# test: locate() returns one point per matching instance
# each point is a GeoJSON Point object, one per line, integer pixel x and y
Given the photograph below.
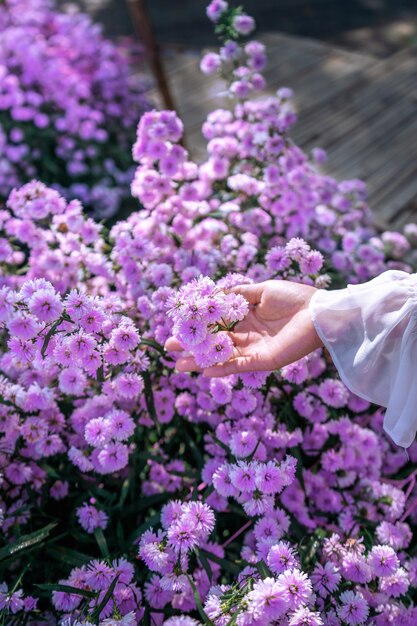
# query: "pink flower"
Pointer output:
{"type": "Point", "coordinates": [121, 425]}
{"type": "Point", "coordinates": [244, 24]}
{"type": "Point", "coordinates": [215, 9]}
{"type": "Point", "coordinates": [353, 608]}
{"type": "Point", "coordinates": [155, 594]}
{"type": "Point", "coordinates": [113, 457]}
{"type": "Point", "coordinates": [210, 63]}
{"type": "Point", "coordinates": [24, 326]}
{"type": "Point", "coordinates": [91, 518]}
{"type": "Point", "coordinates": [281, 557]}
{"type": "Point", "coordinates": [333, 393]}
{"type": "Point", "coordinates": [98, 432]}
{"type": "Point", "coordinates": [383, 561]}
{"type": "Point", "coordinates": [266, 600]}
{"type": "Point", "coordinates": [295, 587]}
{"type": "Point", "coordinates": [243, 476]}
{"type": "Point", "coordinates": [72, 381]}
{"type": "Point", "coordinates": [45, 305]}
{"type": "Point", "coordinates": [325, 579]}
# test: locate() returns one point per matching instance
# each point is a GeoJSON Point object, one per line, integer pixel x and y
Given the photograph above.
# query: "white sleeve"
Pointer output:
{"type": "Point", "coordinates": [370, 331]}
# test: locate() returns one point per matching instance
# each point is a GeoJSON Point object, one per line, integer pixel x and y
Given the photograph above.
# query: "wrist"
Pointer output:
{"type": "Point", "coordinates": [316, 339]}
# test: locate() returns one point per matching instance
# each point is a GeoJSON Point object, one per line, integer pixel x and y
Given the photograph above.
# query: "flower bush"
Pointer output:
{"type": "Point", "coordinates": [133, 493]}
{"type": "Point", "coordinates": [68, 105]}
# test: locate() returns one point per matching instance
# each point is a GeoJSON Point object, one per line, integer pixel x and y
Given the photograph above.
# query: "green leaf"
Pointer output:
{"type": "Point", "coordinates": [198, 604]}
{"type": "Point", "coordinates": [195, 451]}
{"type": "Point", "coordinates": [119, 533]}
{"type": "Point", "coordinates": [49, 334]}
{"type": "Point", "coordinates": [5, 402]}
{"type": "Point", "coordinates": [153, 344]}
{"type": "Point", "coordinates": [26, 541]}
{"type": "Point", "coordinates": [220, 443]}
{"type": "Point", "coordinates": [97, 611]}
{"type": "Point", "coordinates": [100, 374]}
{"type": "Point", "coordinates": [154, 519]}
{"type": "Point", "coordinates": [66, 555]}
{"type": "Point", "coordinates": [67, 589]}
{"type": "Point", "coordinates": [102, 543]}
{"type": "Point", "coordinates": [227, 565]}
{"type": "Point", "coordinates": [156, 498]}
{"type": "Point", "coordinates": [263, 569]}
{"type": "Point", "coordinates": [232, 620]}
{"type": "Point", "coordinates": [124, 492]}
{"type": "Point", "coordinates": [149, 399]}
{"type": "Point", "coordinates": [206, 565]}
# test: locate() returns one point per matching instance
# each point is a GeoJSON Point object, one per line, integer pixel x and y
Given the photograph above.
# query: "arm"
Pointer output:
{"type": "Point", "coordinates": [369, 330]}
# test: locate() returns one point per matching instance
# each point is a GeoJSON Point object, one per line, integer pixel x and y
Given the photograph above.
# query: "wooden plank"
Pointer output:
{"type": "Point", "coordinates": [398, 191]}
{"type": "Point", "coordinates": [373, 135]}
{"type": "Point", "coordinates": [405, 215]}
{"type": "Point", "coordinates": [372, 91]}
{"type": "Point", "coordinates": [361, 110]}
{"type": "Point", "coordinates": [377, 166]}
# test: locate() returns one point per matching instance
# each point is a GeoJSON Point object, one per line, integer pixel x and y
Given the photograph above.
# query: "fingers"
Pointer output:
{"type": "Point", "coordinates": [252, 293]}
{"type": "Point", "coordinates": [187, 364]}
{"type": "Point", "coordinates": [173, 345]}
{"type": "Point", "coordinates": [238, 365]}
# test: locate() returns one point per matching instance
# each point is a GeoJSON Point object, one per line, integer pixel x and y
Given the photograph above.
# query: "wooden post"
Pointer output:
{"type": "Point", "coordinates": [144, 30]}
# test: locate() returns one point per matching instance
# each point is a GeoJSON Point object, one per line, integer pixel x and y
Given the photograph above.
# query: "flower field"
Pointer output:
{"type": "Point", "coordinates": [132, 493]}
{"type": "Point", "coordinates": [68, 106]}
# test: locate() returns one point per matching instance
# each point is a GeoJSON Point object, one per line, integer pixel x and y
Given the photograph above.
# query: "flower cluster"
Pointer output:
{"type": "Point", "coordinates": [102, 440]}
{"type": "Point", "coordinates": [202, 314]}
{"type": "Point", "coordinates": [98, 575]}
{"type": "Point", "coordinates": [14, 601]}
{"type": "Point", "coordinates": [170, 554]}
{"type": "Point", "coordinates": [71, 364]}
{"type": "Point", "coordinates": [68, 104]}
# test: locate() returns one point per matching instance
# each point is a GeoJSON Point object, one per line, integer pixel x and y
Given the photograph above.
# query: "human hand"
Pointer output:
{"type": "Point", "coordinates": [278, 330]}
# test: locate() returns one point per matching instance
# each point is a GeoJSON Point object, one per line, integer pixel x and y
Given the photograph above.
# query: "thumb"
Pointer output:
{"type": "Point", "coordinates": [252, 292]}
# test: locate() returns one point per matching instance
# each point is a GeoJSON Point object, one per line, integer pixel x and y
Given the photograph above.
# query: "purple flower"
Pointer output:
{"type": "Point", "coordinates": [113, 457]}
{"type": "Point", "coordinates": [91, 518]}
{"type": "Point", "coordinates": [305, 617]}
{"type": "Point", "coordinates": [24, 326]}
{"type": "Point", "coordinates": [99, 575]}
{"type": "Point", "coordinates": [191, 332]}
{"type": "Point", "coordinates": [396, 584]}
{"type": "Point", "coordinates": [295, 587]}
{"type": "Point", "coordinates": [72, 381]}
{"type": "Point", "coordinates": [266, 600]}
{"type": "Point", "coordinates": [155, 594]}
{"type": "Point", "coordinates": [277, 259]}
{"type": "Point", "coordinates": [325, 579]}
{"type": "Point", "coordinates": [201, 516]}
{"type": "Point", "coordinates": [243, 476]}
{"type": "Point", "coordinates": [353, 609]}
{"type": "Point", "coordinates": [182, 535]}
{"type": "Point", "coordinates": [333, 393]}
{"type": "Point", "coordinates": [45, 305]}
{"type": "Point", "coordinates": [244, 24]}
{"type": "Point", "coordinates": [383, 561]}
{"type": "Point", "coordinates": [281, 557]}
{"type": "Point", "coordinates": [210, 63]}
{"type": "Point", "coordinates": [215, 9]}
{"type": "Point", "coordinates": [121, 425]}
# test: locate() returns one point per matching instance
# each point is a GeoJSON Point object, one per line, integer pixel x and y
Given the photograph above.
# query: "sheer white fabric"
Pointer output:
{"type": "Point", "coordinates": [370, 331]}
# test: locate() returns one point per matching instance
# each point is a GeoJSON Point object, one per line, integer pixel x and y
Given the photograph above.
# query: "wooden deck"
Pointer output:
{"type": "Point", "coordinates": [362, 110]}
